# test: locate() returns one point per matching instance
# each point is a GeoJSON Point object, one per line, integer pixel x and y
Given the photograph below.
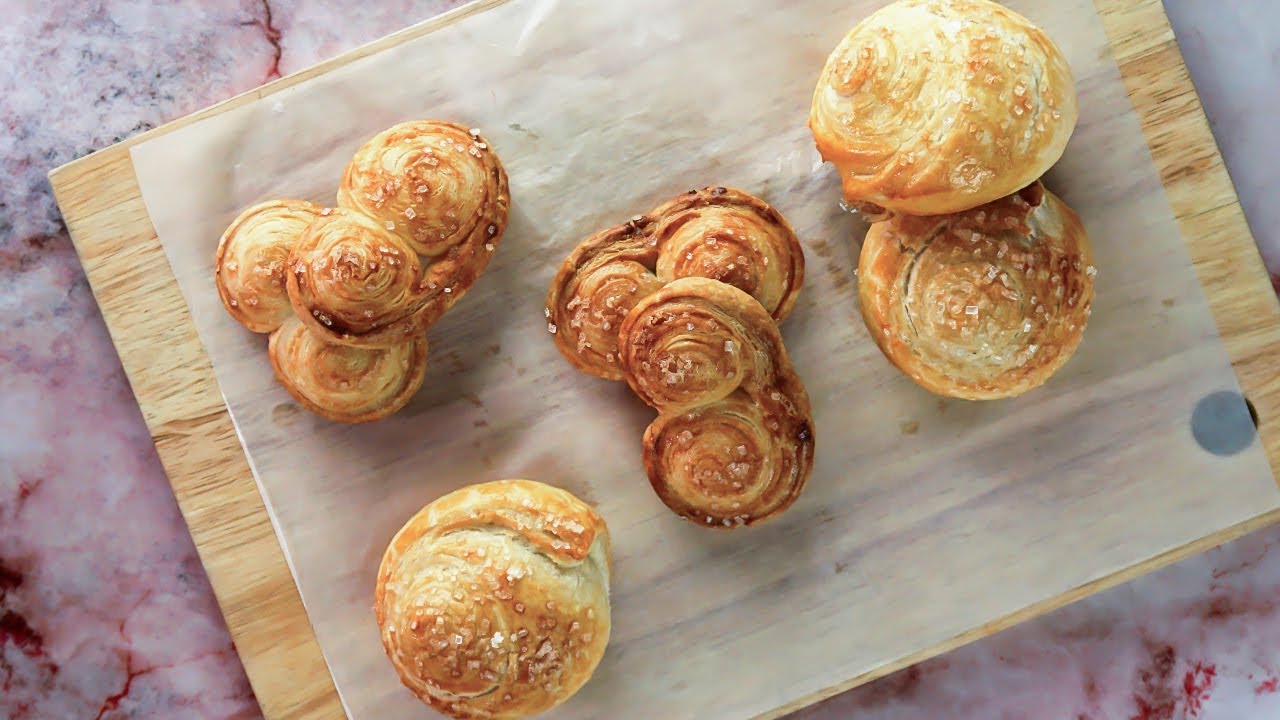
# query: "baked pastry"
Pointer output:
{"type": "Point", "coordinates": [353, 283]}
{"type": "Point", "coordinates": [344, 383]}
{"type": "Point", "coordinates": [937, 106]}
{"type": "Point", "coordinates": [718, 233]}
{"type": "Point", "coordinates": [423, 206]}
{"type": "Point", "coordinates": [440, 188]}
{"type": "Point", "coordinates": [733, 441]}
{"type": "Point", "coordinates": [249, 268]}
{"type": "Point", "coordinates": [982, 304]}
{"type": "Point", "coordinates": [493, 600]}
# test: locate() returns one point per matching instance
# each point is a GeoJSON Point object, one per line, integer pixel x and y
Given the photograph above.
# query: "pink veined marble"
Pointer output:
{"type": "Point", "coordinates": [105, 611]}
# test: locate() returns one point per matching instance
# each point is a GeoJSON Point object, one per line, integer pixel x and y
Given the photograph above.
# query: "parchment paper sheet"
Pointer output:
{"type": "Point", "coordinates": [923, 519]}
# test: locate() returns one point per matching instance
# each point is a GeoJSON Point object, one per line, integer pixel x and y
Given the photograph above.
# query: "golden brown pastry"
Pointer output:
{"type": "Point", "coordinates": [440, 188]}
{"type": "Point", "coordinates": [493, 601]}
{"type": "Point", "coordinates": [422, 207]}
{"type": "Point", "coordinates": [250, 265]}
{"type": "Point", "coordinates": [344, 383]}
{"type": "Point", "coordinates": [353, 283]}
{"type": "Point", "coordinates": [719, 233]}
{"type": "Point", "coordinates": [937, 106]}
{"type": "Point", "coordinates": [982, 304]}
{"type": "Point", "coordinates": [733, 442]}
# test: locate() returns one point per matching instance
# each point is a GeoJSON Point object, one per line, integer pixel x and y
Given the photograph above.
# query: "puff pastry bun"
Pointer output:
{"type": "Point", "coordinates": [493, 601]}
{"type": "Point", "coordinates": [983, 304]}
{"type": "Point", "coordinates": [717, 232]}
{"type": "Point", "coordinates": [251, 263]}
{"type": "Point", "coordinates": [343, 383]}
{"type": "Point", "coordinates": [937, 106]}
{"type": "Point", "coordinates": [733, 441]}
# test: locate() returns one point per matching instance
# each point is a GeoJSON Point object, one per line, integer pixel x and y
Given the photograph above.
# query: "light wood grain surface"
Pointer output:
{"type": "Point", "coordinates": [183, 406]}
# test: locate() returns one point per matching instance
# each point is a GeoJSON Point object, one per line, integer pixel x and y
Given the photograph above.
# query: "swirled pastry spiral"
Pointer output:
{"type": "Point", "coordinates": [353, 283]}
{"type": "Point", "coordinates": [441, 189]}
{"type": "Point", "coordinates": [937, 106]}
{"type": "Point", "coordinates": [493, 601]}
{"type": "Point", "coordinates": [733, 442]}
{"type": "Point", "coordinates": [983, 304]}
{"type": "Point", "coordinates": [422, 207]}
{"type": "Point", "coordinates": [718, 233]}
{"type": "Point", "coordinates": [252, 258]}
{"type": "Point", "coordinates": [344, 383]}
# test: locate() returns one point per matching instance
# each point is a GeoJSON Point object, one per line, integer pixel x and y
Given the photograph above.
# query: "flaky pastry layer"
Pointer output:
{"type": "Point", "coordinates": [983, 304]}
{"type": "Point", "coordinates": [251, 263]}
{"type": "Point", "coordinates": [493, 600]}
{"type": "Point", "coordinates": [733, 442]}
{"type": "Point", "coordinates": [930, 107]}
{"type": "Point", "coordinates": [345, 383]}
{"type": "Point", "coordinates": [718, 233]}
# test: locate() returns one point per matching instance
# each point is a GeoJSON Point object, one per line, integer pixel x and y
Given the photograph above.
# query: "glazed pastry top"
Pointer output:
{"type": "Point", "coordinates": [929, 107]}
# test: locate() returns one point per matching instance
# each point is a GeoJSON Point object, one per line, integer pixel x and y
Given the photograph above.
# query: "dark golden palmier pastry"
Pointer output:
{"type": "Point", "coordinates": [422, 208]}
{"type": "Point", "coordinates": [733, 442]}
{"type": "Point", "coordinates": [251, 264]}
{"type": "Point", "coordinates": [984, 304]}
{"type": "Point", "coordinates": [344, 383]}
{"type": "Point", "coordinates": [353, 283]}
{"type": "Point", "coordinates": [929, 107]}
{"type": "Point", "coordinates": [718, 233]}
{"type": "Point", "coordinates": [493, 600]}
{"type": "Point", "coordinates": [441, 189]}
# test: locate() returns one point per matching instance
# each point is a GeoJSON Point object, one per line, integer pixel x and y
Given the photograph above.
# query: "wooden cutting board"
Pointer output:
{"type": "Point", "coordinates": [184, 409]}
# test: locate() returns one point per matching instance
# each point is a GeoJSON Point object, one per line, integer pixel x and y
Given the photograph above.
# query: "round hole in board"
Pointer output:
{"type": "Point", "coordinates": [1224, 423]}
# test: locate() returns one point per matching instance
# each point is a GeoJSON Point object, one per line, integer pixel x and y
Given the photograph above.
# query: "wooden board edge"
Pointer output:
{"type": "Point", "coordinates": [200, 450]}
{"type": "Point", "coordinates": [1223, 251]}
{"type": "Point", "coordinates": [1033, 611]}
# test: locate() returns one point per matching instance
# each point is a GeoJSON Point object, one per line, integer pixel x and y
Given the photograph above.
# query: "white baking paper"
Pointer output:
{"type": "Point", "coordinates": [924, 518]}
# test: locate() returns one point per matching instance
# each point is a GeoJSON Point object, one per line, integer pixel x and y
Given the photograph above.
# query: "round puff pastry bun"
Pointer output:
{"type": "Point", "coordinates": [938, 106]}
{"type": "Point", "coordinates": [983, 304]}
{"type": "Point", "coordinates": [493, 601]}
{"type": "Point", "coordinates": [717, 232]}
{"type": "Point", "coordinates": [252, 259]}
{"type": "Point", "coordinates": [733, 441]}
{"type": "Point", "coordinates": [343, 383]}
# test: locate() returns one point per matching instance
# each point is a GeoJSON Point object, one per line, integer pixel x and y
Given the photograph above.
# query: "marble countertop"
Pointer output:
{"type": "Point", "coordinates": [105, 611]}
